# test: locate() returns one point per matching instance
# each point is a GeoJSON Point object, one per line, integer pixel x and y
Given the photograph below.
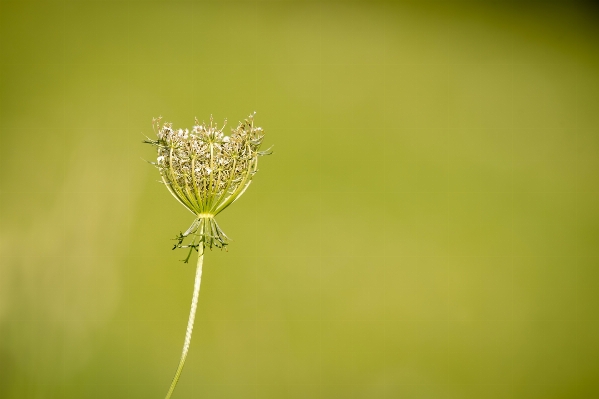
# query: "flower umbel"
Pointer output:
{"type": "Point", "coordinates": [206, 171]}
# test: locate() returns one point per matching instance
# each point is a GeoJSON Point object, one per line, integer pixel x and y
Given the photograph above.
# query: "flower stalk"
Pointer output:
{"type": "Point", "coordinates": [190, 321]}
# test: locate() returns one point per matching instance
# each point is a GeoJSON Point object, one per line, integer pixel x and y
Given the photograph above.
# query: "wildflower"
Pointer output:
{"type": "Point", "coordinates": [206, 172]}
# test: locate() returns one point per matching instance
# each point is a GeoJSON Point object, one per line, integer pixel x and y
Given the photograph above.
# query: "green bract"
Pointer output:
{"type": "Point", "coordinates": [206, 171]}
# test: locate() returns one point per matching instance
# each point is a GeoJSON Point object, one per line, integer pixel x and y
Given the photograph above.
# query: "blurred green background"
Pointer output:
{"type": "Point", "coordinates": [427, 227]}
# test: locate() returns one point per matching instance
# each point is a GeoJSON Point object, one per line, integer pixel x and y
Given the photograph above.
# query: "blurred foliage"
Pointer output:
{"type": "Point", "coordinates": [427, 226]}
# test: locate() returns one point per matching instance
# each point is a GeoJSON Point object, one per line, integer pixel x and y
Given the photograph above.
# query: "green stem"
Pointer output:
{"type": "Point", "coordinates": [192, 315]}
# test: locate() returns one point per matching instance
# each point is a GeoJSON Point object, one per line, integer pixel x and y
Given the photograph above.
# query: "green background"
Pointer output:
{"type": "Point", "coordinates": [427, 227]}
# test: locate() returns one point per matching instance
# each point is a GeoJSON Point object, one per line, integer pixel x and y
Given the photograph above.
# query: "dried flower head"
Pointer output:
{"type": "Point", "coordinates": [206, 171]}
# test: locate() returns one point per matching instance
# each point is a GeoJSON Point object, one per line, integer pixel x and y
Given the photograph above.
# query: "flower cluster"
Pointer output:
{"type": "Point", "coordinates": [206, 171]}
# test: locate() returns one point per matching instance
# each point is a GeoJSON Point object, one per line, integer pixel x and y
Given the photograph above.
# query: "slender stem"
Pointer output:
{"type": "Point", "coordinates": [192, 315]}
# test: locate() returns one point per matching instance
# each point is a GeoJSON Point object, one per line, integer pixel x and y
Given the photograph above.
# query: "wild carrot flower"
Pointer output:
{"type": "Point", "coordinates": [206, 171]}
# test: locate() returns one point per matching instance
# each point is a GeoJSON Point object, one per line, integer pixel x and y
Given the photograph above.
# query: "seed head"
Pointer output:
{"type": "Point", "coordinates": [206, 171]}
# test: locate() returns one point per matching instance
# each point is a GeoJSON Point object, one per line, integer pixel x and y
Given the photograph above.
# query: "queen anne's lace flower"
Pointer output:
{"type": "Point", "coordinates": [206, 172]}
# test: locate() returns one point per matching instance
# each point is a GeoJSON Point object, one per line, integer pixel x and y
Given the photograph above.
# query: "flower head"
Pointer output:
{"type": "Point", "coordinates": [207, 171]}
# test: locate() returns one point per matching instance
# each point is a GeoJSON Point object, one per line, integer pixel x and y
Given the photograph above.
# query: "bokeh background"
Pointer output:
{"type": "Point", "coordinates": [427, 227]}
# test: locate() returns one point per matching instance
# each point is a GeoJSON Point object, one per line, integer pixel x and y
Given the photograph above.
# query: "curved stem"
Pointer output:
{"type": "Point", "coordinates": [192, 315]}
